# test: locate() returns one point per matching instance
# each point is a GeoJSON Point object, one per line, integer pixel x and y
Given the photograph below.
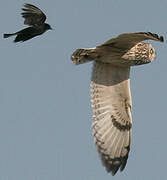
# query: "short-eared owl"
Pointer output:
{"type": "Point", "coordinates": [110, 92]}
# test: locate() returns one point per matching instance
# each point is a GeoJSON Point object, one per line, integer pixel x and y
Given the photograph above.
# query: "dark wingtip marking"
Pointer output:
{"type": "Point", "coordinates": [160, 38]}
{"type": "Point", "coordinates": [124, 159]}
{"type": "Point", "coordinates": [114, 169]}
{"type": "Point", "coordinates": [27, 4]}
{"type": "Point", "coordinates": [113, 165]}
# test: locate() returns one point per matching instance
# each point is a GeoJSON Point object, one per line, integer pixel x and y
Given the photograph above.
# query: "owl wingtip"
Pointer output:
{"type": "Point", "coordinates": [161, 38]}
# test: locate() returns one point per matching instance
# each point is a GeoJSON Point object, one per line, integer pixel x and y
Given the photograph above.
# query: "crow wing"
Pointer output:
{"type": "Point", "coordinates": [33, 15]}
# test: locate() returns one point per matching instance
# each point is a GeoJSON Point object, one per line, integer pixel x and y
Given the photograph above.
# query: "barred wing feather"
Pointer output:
{"type": "Point", "coordinates": [111, 103]}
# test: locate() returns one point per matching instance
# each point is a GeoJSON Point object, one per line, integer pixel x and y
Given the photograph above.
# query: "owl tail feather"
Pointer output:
{"type": "Point", "coordinates": [81, 56]}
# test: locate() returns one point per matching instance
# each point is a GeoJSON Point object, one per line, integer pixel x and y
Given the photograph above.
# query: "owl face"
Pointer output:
{"type": "Point", "coordinates": [141, 53]}
{"type": "Point", "coordinates": [152, 52]}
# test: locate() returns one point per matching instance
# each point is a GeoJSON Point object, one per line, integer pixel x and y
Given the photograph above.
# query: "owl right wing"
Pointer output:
{"type": "Point", "coordinates": [112, 122]}
{"type": "Point", "coordinates": [128, 40]}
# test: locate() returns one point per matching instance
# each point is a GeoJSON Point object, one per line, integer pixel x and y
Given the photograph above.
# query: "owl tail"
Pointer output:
{"type": "Point", "coordinates": [81, 56]}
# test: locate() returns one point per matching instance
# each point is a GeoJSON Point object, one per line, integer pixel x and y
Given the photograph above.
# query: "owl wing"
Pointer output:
{"type": "Point", "coordinates": [33, 15]}
{"type": "Point", "coordinates": [128, 40]}
{"type": "Point", "coordinates": [111, 103]}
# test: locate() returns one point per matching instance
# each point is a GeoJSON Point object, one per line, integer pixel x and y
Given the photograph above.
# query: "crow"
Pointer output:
{"type": "Point", "coordinates": [35, 18]}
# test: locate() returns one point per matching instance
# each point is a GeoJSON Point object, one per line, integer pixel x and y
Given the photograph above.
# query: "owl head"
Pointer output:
{"type": "Point", "coordinates": [141, 53]}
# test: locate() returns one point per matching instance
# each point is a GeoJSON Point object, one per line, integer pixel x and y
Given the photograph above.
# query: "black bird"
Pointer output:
{"type": "Point", "coordinates": [35, 18]}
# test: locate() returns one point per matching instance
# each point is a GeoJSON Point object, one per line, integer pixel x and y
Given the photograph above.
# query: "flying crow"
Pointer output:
{"type": "Point", "coordinates": [35, 18]}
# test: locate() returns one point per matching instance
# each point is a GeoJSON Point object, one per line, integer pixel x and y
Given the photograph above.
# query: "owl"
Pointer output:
{"type": "Point", "coordinates": [110, 92]}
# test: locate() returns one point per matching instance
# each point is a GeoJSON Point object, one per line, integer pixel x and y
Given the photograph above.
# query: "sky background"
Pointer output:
{"type": "Point", "coordinates": [45, 113]}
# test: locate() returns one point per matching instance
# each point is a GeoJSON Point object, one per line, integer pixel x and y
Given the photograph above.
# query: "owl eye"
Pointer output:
{"type": "Point", "coordinates": [151, 51]}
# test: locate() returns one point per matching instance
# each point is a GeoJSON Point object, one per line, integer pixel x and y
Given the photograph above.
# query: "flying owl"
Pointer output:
{"type": "Point", "coordinates": [110, 92]}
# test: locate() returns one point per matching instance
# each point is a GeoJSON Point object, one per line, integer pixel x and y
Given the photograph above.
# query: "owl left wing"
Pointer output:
{"type": "Point", "coordinates": [128, 40]}
{"type": "Point", "coordinates": [112, 122]}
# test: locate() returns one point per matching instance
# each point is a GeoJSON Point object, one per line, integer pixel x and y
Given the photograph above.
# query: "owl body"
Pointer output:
{"type": "Point", "coordinates": [110, 93]}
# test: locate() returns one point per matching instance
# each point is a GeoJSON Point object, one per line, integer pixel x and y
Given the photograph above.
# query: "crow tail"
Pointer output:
{"type": "Point", "coordinates": [8, 35]}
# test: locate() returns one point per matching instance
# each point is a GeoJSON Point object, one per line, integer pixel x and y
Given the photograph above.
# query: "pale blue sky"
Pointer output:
{"type": "Point", "coordinates": [45, 113]}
